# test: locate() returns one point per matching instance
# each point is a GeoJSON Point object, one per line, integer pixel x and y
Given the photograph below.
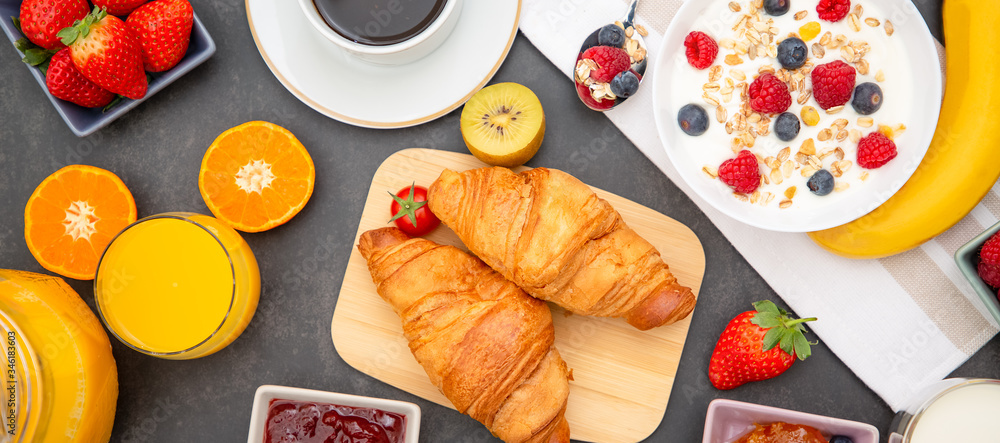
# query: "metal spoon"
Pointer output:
{"type": "Point", "coordinates": [598, 96]}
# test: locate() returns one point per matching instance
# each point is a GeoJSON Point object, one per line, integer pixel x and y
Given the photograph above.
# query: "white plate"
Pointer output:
{"type": "Point", "coordinates": [917, 96]}
{"type": "Point", "coordinates": [325, 77]}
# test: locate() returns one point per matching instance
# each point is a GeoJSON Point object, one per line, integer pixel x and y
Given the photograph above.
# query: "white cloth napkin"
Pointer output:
{"type": "Point", "coordinates": [899, 323]}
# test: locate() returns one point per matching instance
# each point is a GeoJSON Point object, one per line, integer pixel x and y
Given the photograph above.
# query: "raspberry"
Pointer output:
{"type": "Point", "coordinates": [833, 10]}
{"type": "Point", "coordinates": [875, 150]}
{"type": "Point", "coordinates": [833, 84]}
{"type": "Point", "coordinates": [989, 261]}
{"type": "Point", "coordinates": [769, 95]}
{"type": "Point", "coordinates": [741, 173]}
{"type": "Point", "coordinates": [701, 49]}
{"type": "Point", "coordinates": [610, 62]}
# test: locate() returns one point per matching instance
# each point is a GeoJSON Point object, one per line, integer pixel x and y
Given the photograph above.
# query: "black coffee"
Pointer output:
{"type": "Point", "coordinates": [379, 22]}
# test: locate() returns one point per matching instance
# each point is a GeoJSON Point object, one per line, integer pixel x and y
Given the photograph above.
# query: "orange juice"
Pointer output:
{"type": "Point", "coordinates": [60, 382]}
{"type": "Point", "coordinates": [177, 285]}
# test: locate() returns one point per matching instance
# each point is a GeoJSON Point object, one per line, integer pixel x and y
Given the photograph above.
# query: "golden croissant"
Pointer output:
{"type": "Point", "coordinates": [483, 342]}
{"type": "Point", "coordinates": [550, 234]}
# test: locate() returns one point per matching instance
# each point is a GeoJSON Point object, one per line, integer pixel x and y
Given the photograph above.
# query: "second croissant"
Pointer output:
{"type": "Point", "coordinates": [554, 237]}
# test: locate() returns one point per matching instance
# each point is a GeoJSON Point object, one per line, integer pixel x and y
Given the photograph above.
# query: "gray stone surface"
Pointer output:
{"type": "Point", "coordinates": [157, 149]}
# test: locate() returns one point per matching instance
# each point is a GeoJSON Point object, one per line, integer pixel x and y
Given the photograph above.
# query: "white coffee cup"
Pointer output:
{"type": "Point", "coordinates": [410, 50]}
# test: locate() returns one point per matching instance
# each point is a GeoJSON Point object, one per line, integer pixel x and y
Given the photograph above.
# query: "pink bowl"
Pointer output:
{"type": "Point", "coordinates": [728, 420]}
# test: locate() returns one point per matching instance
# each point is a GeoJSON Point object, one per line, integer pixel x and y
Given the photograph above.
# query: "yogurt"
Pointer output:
{"type": "Point", "coordinates": [887, 66]}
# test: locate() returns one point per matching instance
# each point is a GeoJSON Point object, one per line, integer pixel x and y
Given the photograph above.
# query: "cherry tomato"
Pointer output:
{"type": "Point", "coordinates": [410, 212]}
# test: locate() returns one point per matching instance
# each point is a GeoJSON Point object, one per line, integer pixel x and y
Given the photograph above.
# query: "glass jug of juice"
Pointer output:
{"type": "Point", "coordinates": [60, 382]}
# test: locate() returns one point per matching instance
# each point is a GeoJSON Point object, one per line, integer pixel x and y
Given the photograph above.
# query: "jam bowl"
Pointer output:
{"type": "Point", "coordinates": [277, 410]}
{"type": "Point", "coordinates": [384, 32]}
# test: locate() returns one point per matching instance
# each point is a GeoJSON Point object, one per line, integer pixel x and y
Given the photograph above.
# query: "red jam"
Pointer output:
{"type": "Point", "coordinates": [783, 433]}
{"type": "Point", "coordinates": [305, 422]}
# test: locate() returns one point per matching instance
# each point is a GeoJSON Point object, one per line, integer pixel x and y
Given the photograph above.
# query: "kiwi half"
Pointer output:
{"type": "Point", "coordinates": [503, 124]}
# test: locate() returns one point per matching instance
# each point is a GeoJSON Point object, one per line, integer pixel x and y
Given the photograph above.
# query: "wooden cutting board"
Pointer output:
{"type": "Point", "coordinates": [621, 376]}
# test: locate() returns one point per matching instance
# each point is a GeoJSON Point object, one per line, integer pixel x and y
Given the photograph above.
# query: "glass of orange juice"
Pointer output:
{"type": "Point", "coordinates": [177, 285]}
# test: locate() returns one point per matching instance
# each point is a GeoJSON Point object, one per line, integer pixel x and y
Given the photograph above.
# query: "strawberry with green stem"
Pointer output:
{"type": "Point", "coordinates": [106, 52]}
{"type": "Point", "coordinates": [758, 345]}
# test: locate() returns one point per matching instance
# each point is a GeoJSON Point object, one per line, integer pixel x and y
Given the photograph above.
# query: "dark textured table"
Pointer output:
{"type": "Point", "coordinates": [157, 149]}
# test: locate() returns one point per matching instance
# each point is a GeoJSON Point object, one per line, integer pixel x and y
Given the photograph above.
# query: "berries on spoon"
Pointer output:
{"type": "Point", "coordinates": [821, 183]}
{"type": "Point", "coordinates": [776, 7]}
{"type": "Point", "coordinates": [700, 49]}
{"type": "Point", "coordinates": [875, 150]}
{"type": "Point", "coordinates": [833, 10]}
{"type": "Point", "coordinates": [625, 84]}
{"type": "Point", "coordinates": [741, 173]}
{"type": "Point", "coordinates": [833, 84]}
{"type": "Point", "coordinates": [786, 126]}
{"type": "Point", "coordinates": [989, 261]}
{"type": "Point", "coordinates": [769, 95]}
{"type": "Point", "coordinates": [610, 62]}
{"type": "Point", "coordinates": [792, 53]}
{"type": "Point", "coordinates": [611, 35]}
{"type": "Point", "coordinates": [757, 345]}
{"type": "Point", "coordinates": [693, 120]}
{"type": "Point", "coordinates": [867, 98]}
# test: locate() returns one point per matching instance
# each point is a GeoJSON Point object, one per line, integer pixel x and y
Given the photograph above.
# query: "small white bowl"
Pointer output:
{"type": "Point", "coordinates": [404, 52]}
{"type": "Point", "coordinates": [266, 393]}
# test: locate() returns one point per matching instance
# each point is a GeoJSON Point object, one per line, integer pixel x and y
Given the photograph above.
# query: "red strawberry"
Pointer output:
{"type": "Point", "coordinates": [105, 52]}
{"type": "Point", "coordinates": [120, 8]}
{"type": "Point", "coordinates": [42, 19]}
{"type": "Point", "coordinates": [163, 28]}
{"type": "Point", "coordinates": [875, 150]}
{"type": "Point", "coordinates": [700, 49]}
{"type": "Point", "coordinates": [833, 83]}
{"type": "Point", "coordinates": [741, 173]}
{"type": "Point", "coordinates": [769, 95]}
{"type": "Point", "coordinates": [65, 82]}
{"type": "Point", "coordinates": [989, 261]}
{"type": "Point", "coordinates": [757, 345]}
{"type": "Point", "coordinates": [610, 62]}
{"type": "Point", "coordinates": [833, 10]}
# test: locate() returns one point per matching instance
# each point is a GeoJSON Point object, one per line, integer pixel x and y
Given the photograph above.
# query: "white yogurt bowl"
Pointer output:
{"type": "Point", "coordinates": [911, 86]}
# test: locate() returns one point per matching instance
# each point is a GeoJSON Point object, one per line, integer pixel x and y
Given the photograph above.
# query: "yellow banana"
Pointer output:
{"type": "Point", "coordinates": [963, 161]}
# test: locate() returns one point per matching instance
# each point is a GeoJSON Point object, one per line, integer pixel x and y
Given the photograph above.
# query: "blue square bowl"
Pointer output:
{"type": "Point", "coordinates": [967, 258]}
{"type": "Point", "coordinates": [84, 121]}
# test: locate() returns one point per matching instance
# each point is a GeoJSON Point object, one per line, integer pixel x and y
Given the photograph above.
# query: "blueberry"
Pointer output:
{"type": "Point", "coordinates": [786, 126]}
{"type": "Point", "coordinates": [841, 439]}
{"type": "Point", "coordinates": [776, 7]}
{"type": "Point", "coordinates": [867, 98]}
{"type": "Point", "coordinates": [693, 119]}
{"type": "Point", "coordinates": [625, 84]}
{"type": "Point", "coordinates": [821, 183]}
{"type": "Point", "coordinates": [611, 35]}
{"type": "Point", "coordinates": [792, 53]}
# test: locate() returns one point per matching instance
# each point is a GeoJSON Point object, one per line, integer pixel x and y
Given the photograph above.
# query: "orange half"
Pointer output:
{"type": "Point", "coordinates": [256, 176]}
{"type": "Point", "coordinates": [73, 215]}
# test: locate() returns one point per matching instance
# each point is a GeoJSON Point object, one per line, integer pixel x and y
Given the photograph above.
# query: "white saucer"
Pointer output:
{"type": "Point", "coordinates": [329, 80]}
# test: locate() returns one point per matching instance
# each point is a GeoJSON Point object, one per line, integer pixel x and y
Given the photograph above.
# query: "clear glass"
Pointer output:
{"type": "Point", "coordinates": [177, 285]}
{"type": "Point", "coordinates": [945, 406]}
{"type": "Point", "coordinates": [60, 382]}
